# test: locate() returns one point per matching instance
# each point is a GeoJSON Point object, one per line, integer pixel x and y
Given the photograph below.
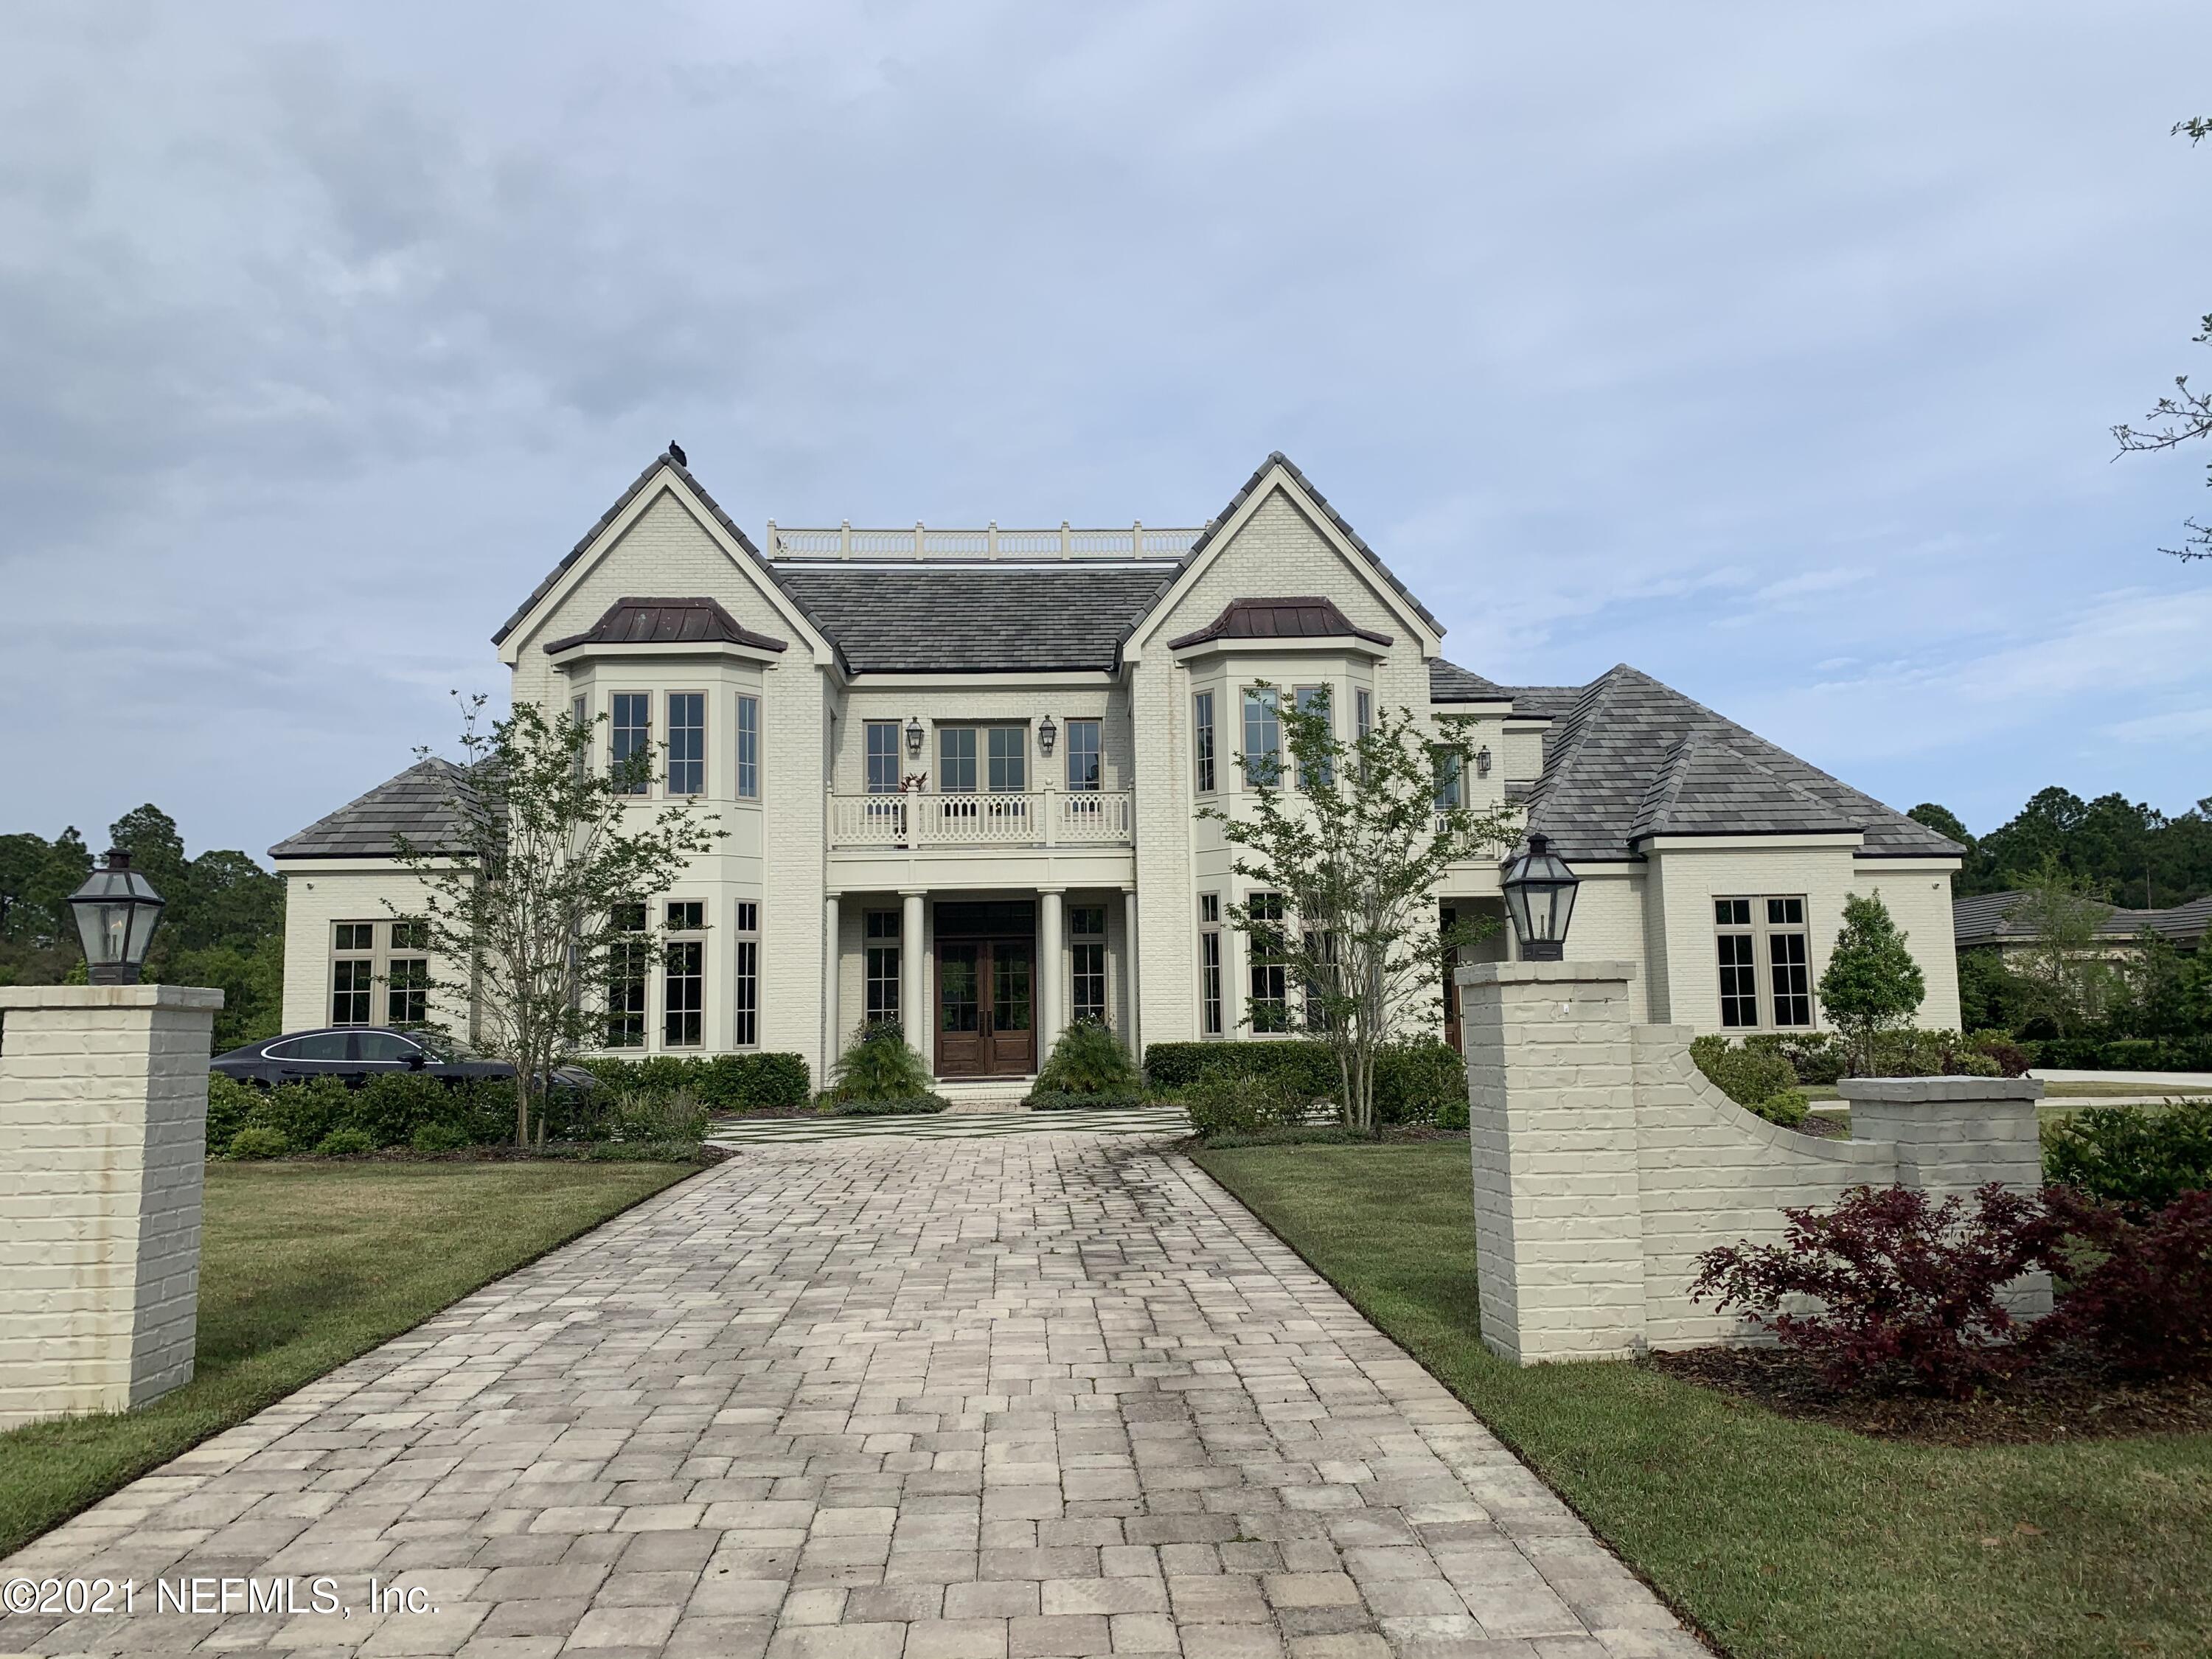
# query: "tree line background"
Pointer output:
{"type": "Point", "coordinates": [2111, 849]}
{"type": "Point", "coordinates": [223, 924]}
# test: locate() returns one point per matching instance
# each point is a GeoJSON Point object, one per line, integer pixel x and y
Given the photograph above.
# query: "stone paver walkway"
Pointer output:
{"type": "Point", "coordinates": [1046, 1395]}
{"type": "Point", "coordinates": [955, 1125]}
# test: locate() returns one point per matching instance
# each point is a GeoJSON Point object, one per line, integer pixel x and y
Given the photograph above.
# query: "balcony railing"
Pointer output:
{"type": "Point", "coordinates": [1051, 817]}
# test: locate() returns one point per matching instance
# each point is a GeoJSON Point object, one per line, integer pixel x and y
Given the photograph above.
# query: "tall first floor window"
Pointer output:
{"type": "Point", "coordinates": [1268, 974]}
{"type": "Point", "coordinates": [1087, 961]}
{"type": "Point", "coordinates": [749, 743]}
{"type": "Point", "coordinates": [1750, 933]}
{"type": "Point", "coordinates": [626, 969]}
{"type": "Point", "coordinates": [880, 946]}
{"type": "Point", "coordinates": [353, 972]}
{"type": "Point", "coordinates": [366, 956]}
{"type": "Point", "coordinates": [1084, 758]}
{"type": "Point", "coordinates": [1209, 963]}
{"type": "Point", "coordinates": [745, 1006]}
{"type": "Point", "coordinates": [687, 743]}
{"type": "Point", "coordinates": [629, 736]}
{"type": "Point", "coordinates": [1201, 721]}
{"type": "Point", "coordinates": [683, 976]}
{"type": "Point", "coordinates": [1321, 948]}
{"type": "Point", "coordinates": [407, 975]}
{"type": "Point", "coordinates": [1263, 736]}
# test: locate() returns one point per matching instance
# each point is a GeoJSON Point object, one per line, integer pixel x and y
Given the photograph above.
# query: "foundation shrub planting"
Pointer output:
{"type": "Point", "coordinates": [258, 1141]}
{"type": "Point", "coordinates": [1420, 1080]}
{"type": "Point", "coordinates": [879, 1065]}
{"type": "Point", "coordinates": [1172, 1067]}
{"type": "Point", "coordinates": [1088, 1059]}
{"type": "Point", "coordinates": [1053, 1100]}
{"type": "Point", "coordinates": [908, 1106]}
{"type": "Point", "coordinates": [721, 1082]}
{"type": "Point", "coordinates": [344, 1143]}
{"type": "Point", "coordinates": [1220, 1103]}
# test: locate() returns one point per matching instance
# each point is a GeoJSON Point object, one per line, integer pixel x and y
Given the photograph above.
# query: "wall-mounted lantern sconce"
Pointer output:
{"type": "Point", "coordinates": [1048, 734]}
{"type": "Point", "coordinates": [914, 737]}
{"type": "Point", "coordinates": [1482, 762]}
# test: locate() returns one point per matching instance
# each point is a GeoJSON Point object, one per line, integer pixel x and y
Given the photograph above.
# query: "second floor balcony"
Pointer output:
{"type": "Point", "coordinates": [913, 820]}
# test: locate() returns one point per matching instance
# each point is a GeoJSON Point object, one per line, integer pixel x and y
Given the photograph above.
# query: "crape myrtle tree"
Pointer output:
{"type": "Point", "coordinates": [2187, 414]}
{"type": "Point", "coordinates": [1345, 843]}
{"type": "Point", "coordinates": [552, 861]}
{"type": "Point", "coordinates": [1872, 983]}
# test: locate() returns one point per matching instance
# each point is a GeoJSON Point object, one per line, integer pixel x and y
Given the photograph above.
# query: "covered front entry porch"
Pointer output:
{"type": "Point", "coordinates": [983, 982]}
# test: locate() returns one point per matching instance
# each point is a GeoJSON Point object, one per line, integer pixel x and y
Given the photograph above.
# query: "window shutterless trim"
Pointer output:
{"type": "Point", "coordinates": [749, 746]}
{"type": "Point", "coordinates": [1202, 739]}
{"type": "Point", "coordinates": [686, 774]}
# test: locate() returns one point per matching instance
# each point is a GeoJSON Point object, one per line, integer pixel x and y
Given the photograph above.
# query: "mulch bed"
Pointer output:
{"type": "Point", "coordinates": [2067, 1396]}
{"type": "Point", "coordinates": [501, 1154]}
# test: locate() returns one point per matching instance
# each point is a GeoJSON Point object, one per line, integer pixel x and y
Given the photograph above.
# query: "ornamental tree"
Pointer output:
{"type": "Point", "coordinates": [547, 854]}
{"type": "Point", "coordinates": [1345, 843]}
{"type": "Point", "coordinates": [1872, 982]}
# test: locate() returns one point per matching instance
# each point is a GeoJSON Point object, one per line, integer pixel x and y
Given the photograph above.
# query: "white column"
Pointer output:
{"type": "Point", "coordinates": [1129, 971]}
{"type": "Point", "coordinates": [103, 1128]}
{"type": "Point", "coordinates": [1051, 977]}
{"type": "Point", "coordinates": [833, 1034]}
{"type": "Point", "coordinates": [914, 1011]}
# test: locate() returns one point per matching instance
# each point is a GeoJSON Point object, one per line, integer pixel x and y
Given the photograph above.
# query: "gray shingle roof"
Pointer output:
{"type": "Point", "coordinates": [947, 618]}
{"type": "Point", "coordinates": [1988, 919]}
{"type": "Point", "coordinates": [1450, 683]}
{"type": "Point", "coordinates": [1622, 761]}
{"type": "Point", "coordinates": [1551, 702]}
{"type": "Point", "coordinates": [667, 621]}
{"type": "Point", "coordinates": [1310, 616]}
{"type": "Point", "coordinates": [413, 805]}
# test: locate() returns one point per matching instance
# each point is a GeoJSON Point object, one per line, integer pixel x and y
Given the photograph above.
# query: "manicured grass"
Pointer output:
{"type": "Point", "coordinates": [1781, 1538]}
{"type": "Point", "coordinates": [302, 1267]}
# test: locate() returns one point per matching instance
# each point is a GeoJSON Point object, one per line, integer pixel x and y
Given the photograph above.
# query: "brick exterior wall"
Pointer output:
{"type": "Point", "coordinates": [103, 1123]}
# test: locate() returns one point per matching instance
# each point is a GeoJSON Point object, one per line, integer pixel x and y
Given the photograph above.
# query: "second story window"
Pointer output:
{"type": "Point", "coordinates": [1084, 768]}
{"type": "Point", "coordinates": [1008, 750]}
{"type": "Point", "coordinates": [1362, 713]}
{"type": "Point", "coordinates": [956, 760]}
{"type": "Point", "coordinates": [748, 748]}
{"type": "Point", "coordinates": [882, 757]}
{"type": "Point", "coordinates": [1315, 700]}
{"type": "Point", "coordinates": [631, 733]}
{"type": "Point", "coordinates": [687, 743]}
{"type": "Point", "coordinates": [1451, 778]}
{"type": "Point", "coordinates": [1201, 722]}
{"type": "Point", "coordinates": [1263, 736]}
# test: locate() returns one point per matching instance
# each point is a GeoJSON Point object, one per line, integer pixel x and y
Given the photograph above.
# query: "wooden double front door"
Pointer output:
{"type": "Point", "coordinates": [986, 1007]}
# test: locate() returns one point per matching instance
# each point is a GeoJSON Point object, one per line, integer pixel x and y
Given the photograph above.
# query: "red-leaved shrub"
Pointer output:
{"type": "Point", "coordinates": [1910, 1288]}
{"type": "Point", "coordinates": [2140, 1287]}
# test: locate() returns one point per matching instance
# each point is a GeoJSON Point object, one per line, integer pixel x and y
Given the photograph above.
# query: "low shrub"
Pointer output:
{"type": "Point", "coordinates": [2011, 1056]}
{"type": "Point", "coordinates": [1788, 1108]}
{"type": "Point", "coordinates": [1750, 1076]}
{"type": "Point", "coordinates": [1087, 1059]}
{"type": "Point", "coordinates": [655, 1115]}
{"type": "Point", "coordinates": [2139, 1286]}
{"type": "Point", "coordinates": [1050, 1100]}
{"type": "Point", "coordinates": [1910, 1289]}
{"type": "Point", "coordinates": [1452, 1114]}
{"type": "Point", "coordinates": [1417, 1079]}
{"type": "Point", "coordinates": [907, 1106]}
{"type": "Point", "coordinates": [2132, 1156]}
{"type": "Point", "coordinates": [344, 1143]}
{"type": "Point", "coordinates": [440, 1138]}
{"type": "Point", "coordinates": [879, 1065]}
{"type": "Point", "coordinates": [256, 1140]}
{"type": "Point", "coordinates": [1172, 1068]}
{"type": "Point", "coordinates": [641, 1152]}
{"type": "Point", "coordinates": [230, 1106]}
{"type": "Point", "coordinates": [1819, 1058]}
{"type": "Point", "coordinates": [722, 1083]}
{"type": "Point", "coordinates": [1220, 1103]}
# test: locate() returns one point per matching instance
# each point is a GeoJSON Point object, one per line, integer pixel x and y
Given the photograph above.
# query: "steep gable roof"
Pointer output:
{"type": "Point", "coordinates": [667, 621]}
{"type": "Point", "coordinates": [416, 804]}
{"type": "Point", "coordinates": [1622, 755]}
{"type": "Point", "coordinates": [1311, 617]}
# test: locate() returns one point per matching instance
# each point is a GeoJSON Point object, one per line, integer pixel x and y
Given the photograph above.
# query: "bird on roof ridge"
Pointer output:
{"type": "Point", "coordinates": [676, 453]}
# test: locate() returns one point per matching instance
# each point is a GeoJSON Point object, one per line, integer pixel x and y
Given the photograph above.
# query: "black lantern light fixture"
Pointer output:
{"type": "Point", "coordinates": [1539, 897]}
{"type": "Point", "coordinates": [1048, 734]}
{"type": "Point", "coordinates": [1482, 762]}
{"type": "Point", "coordinates": [914, 737]}
{"type": "Point", "coordinates": [116, 911]}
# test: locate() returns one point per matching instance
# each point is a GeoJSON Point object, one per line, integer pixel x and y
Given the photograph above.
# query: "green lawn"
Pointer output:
{"type": "Point", "coordinates": [1781, 1538]}
{"type": "Point", "coordinates": [302, 1267]}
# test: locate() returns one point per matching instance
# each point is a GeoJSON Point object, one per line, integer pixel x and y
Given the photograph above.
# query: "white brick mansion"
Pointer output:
{"type": "Point", "coordinates": [960, 773]}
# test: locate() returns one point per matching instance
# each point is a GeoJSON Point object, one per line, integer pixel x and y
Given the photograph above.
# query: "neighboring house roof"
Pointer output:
{"type": "Point", "coordinates": [948, 619]}
{"type": "Point", "coordinates": [1991, 919]}
{"type": "Point", "coordinates": [1450, 683]}
{"type": "Point", "coordinates": [1621, 767]}
{"type": "Point", "coordinates": [667, 621]}
{"type": "Point", "coordinates": [1309, 617]}
{"type": "Point", "coordinates": [416, 804]}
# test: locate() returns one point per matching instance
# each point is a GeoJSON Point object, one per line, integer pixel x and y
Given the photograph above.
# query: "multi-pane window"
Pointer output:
{"type": "Point", "coordinates": [687, 743]}
{"type": "Point", "coordinates": [407, 975]}
{"type": "Point", "coordinates": [745, 1006]}
{"type": "Point", "coordinates": [1084, 769]}
{"type": "Point", "coordinates": [748, 748]}
{"type": "Point", "coordinates": [1087, 960]}
{"type": "Point", "coordinates": [1315, 700]}
{"type": "Point", "coordinates": [353, 972]}
{"type": "Point", "coordinates": [1201, 721]}
{"type": "Point", "coordinates": [956, 759]}
{"type": "Point", "coordinates": [1363, 713]}
{"type": "Point", "coordinates": [1752, 931]}
{"type": "Point", "coordinates": [1263, 736]}
{"type": "Point", "coordinates": [580, 716]}
{"type": "Point", "coordinates": [882, 740]}
{"type": "Point", "coordinates": [1007, 748]}
{"type": "Point", "coordinates": [629, 734]}
{"type": "Point", "coordinates": [880, 943]}
{"type": "Point", "coordinates": [1209, 963]}
{"type": "Point", "coordinates": [683, 976]}
{"type": "Point", "coordinates": [626, 970]}
{"type": "Point", "coordinates": [1450, 763]}
{"type": "Point", "coordinates": [1270, 993]}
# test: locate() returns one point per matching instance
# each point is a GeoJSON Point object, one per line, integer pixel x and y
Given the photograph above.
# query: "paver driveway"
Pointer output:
{"type": "Point", "coordinates": [1048, 1395]}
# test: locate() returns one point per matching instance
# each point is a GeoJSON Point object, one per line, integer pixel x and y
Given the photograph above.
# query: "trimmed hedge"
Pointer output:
{"type": "Point", "coordinates": [1059, 1100]}
{"type": "Point", "coordinates": [912, 1106]}
{"type": "Point", "coordinates": [720, 1083]}
{"type": "Point", "coordinates": [1415, 1081]}
{"type": "Point", "coordinates": [2124, 1054]}
{"type": "Point", "coordinates": [2135, 1157]}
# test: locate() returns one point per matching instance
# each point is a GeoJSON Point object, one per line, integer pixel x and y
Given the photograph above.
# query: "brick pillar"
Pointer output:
{"type": "Point", "coordinates": [103, 1125]}
{"type": "Point", "coordinates": [1552, 1120]}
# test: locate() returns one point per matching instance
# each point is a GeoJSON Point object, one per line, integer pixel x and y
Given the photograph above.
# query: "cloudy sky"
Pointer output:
{"type": "Point", "coordinates": [1770, 349]}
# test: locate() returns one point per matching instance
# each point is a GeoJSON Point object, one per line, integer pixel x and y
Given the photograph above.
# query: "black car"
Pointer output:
{"type": "Point", "coordinates": [355, 1053]}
